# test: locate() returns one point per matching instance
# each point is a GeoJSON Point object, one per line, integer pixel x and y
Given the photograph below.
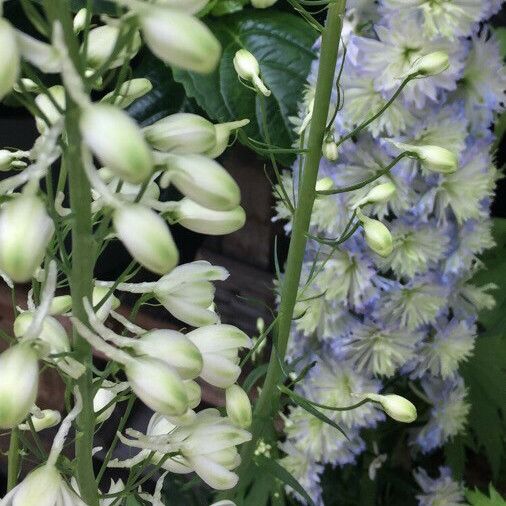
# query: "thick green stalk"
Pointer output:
{"type": "Point", "coordinates": [267, 405]}
{"type": "Point", "coordinates": [13, 457]}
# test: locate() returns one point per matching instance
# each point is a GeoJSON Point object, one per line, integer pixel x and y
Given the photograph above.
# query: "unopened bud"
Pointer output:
{"type": "Point", "coordinates": [52, 333]}
{"type": "Point", "coordinates": [117, 142]}
{"type": "Point", "coordinates": [377, 235]}
{"type": "Point", "coordinates": [431, 64]}
{"type": "Point", "coordinates": [9, 63]}
{"type": "Point", "coordinates": [10, 159]}
{"type": "Point", "coordinates": [396, 407]}
{"type": "Point", "coordinates": [330, 150]}
{"type": "Point", "coordinates": [180, 39]}
{"type": "Point", "coordinates": [25, 232]}
{"type": "Point", "coordinates": [112, 302]}
{"type": "Point", "coordinates": [173, 348]}
{"type": "Point", "coordinates": [204, 181]}
{"type": "Point", "coordinates": [47, 418]}
{"type": "Point", "coordinates": [50, 107]}
{"type": "Point", "coordinates": [103, 404]}
{"type": "Point", "coordinates": [262, 4]}
{"type": "Point", "coordinates": [194, 393]}
{"type": "Point", "coordinates": [147, 237]}
{"type": "Point", "coordinates": [129, 92]}
{"type": "Point", "coordinates": [157, 385]}
{"type": "Point", "coordinates": [247, 68]}
{"type": "Point", "coordinates": [80, 20]}
{"type": "Point", "coordinates": [434, 158]}
{"type": "Point", "coordinates": [238, 406]}
{"type": "Point", "coordinates": [324, 184]}
{"type": "Point", "coordinates": [381, 193]}
{"type": "Point", "coordinates": [223, 132]}
{"type": "Point", "coordinates": [101, 43]}
{"type": "Point", "coordinates": [202, 220]}
{"type": "Point", "coordinates": [19, 379]}
{"type": "Point", "coordinates": [61, 304]}
{"type": "Point", "coordinates": [181, 133]}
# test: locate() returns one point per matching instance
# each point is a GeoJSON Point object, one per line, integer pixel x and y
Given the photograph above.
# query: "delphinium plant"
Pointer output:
{"type": "Point", "coordinates": [398, 314]}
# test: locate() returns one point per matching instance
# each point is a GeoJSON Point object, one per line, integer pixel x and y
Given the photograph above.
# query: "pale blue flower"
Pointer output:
{"type": "Point", "coordinates": [442, 491]}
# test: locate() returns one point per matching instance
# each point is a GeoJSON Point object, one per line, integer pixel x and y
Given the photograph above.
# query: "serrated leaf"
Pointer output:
{"type": "Point", "coordinates": [278, 471]}
{"type": "Point", "coordinates": [477, 498]}
{"type": "Point", "coordinates": [282, 43]}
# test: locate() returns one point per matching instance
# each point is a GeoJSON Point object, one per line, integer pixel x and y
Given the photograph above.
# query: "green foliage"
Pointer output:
{"type": "Point", "coordinates": [477, 498]}
{"type": "Point", "coordinates": [485, 373]}
{"type": "Point", "coordinates": [282, 43]}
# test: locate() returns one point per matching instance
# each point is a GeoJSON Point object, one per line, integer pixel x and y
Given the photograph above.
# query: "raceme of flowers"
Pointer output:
{"type": "Point", "coordinates": [161, 366]}
{"type": "Point", "coordinates": [397, 301]}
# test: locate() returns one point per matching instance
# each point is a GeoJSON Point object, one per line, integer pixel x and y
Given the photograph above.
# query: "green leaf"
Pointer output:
{"type": "Point", "coordinates": [99, 6]}
{"type": "Point", "coordinates": [477, 498]}
{"type": "Point", "coordinates": [282, 43]}
{"type": "Point", "coordinates": [500, 33]}
{"type": "Point", "coordinates": [279, 472]}
{"type": "Point", "coordinates": [223, 7]}
{"type": "Point", "coordinates": [166, 97]}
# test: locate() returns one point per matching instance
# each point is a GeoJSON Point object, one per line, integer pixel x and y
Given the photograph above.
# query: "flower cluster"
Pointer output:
{"type": "Point", "coordinates": [395, 297]}
{"type": "Point", "coordinates": [122, 203]}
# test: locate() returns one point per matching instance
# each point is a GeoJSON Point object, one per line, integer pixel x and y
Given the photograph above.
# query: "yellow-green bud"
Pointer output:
{"type": "Point", "coordinates": [25, 232]}
{"type": "Point", "coordinates": [324, 184]}
{"type": "Point", "coordinates": [117, 142]}
{"type": "Point", "coordinates": [330, 150]}
{"type": "Point", "coordinates": [147, 237]}
{"type": "Point", "coordinates": [223, 132]}
{"type": "Point", "coordinates": [129, 92]}
{"type": "Point", "coordinates": [180, 39]}
{"type": "Point", "coordinates": [202, 220]}
{"type": "Point", "coordinates": [80, 20]}
{"type": "Point", "coordinates": [9, 63]}
{"type": "Point", "coordinates": [247, 68]}
{"type": "Point", "coordinates": [436, 158]}
{"type": "Point", "coordinates": [19, 379]}
{"type": "Point", "coordinates": [48, 108]}
{"type": "Point", "coordinates": [48, 418]}
{"type": "Point", "coordinates": [61, 304]}
{"type": "Point", "coordinates": [381, 193]}
{"type": "Point", "coordinates": [431, 64]}
{"type": "Point", "coordinates": [396, 407]}
{"type": "Point", "coordinates": [238, 406]}
{"type": "Point", "coordinates": [377, 235]}
{"type": "Point", "coordinates": [104, 397]}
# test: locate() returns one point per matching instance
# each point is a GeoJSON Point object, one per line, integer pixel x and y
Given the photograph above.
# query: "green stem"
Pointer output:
{"type": "Point", "coordinates": [268, 403]}
{"type": "Point", "coordinates": [14, 458]}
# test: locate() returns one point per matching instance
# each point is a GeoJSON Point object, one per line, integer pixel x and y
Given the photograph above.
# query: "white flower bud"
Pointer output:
{"type": "Point", "coordinates": [238, 406]}
{"type": "Point", "coordinates": [179, 39]}
{"type": "Point", "coordinates": [101, 42]}
{"type": "Point", "coordinates": [9, 63]}
{"type": "Point", "coordinates": [80, 20]}
{"type": "Point", "coordinates": [262, 4]}
{"type": "Point", "coordinates": [324, 184]}
{"type": "Point", "coordinates": [48, 108]}
{"type": "Point", "coordinates": [219, 346]}
{"type": "Point", "coordinates": [104, 397]}
{"type": "Point", "coordinates": [431, 64]}
{"type": "Point", "coordinates": [53, 333]}
{"type": "Point", "coordinates": [330, 150]}
{"type": "Point", "coordinates": [48, 418]}
{"type": "Point", "coordinates": [28, 85]}
{"type": "Point", "coordinates": [381, 193]}
{"type": "Point", "coordinates": [41, 486]}
{"type": "Point", "coordinates": [204, 181]}
{"type": "Point", "coordinates": [60, 305]}
{"type": "Point", "coordinates": [19, 380]}
{"type": "Point", "coordinates": [10, 159]}
{"type": "Point", "coordinates": [396, 407]}
{"type": "Point", "coordinates": [200, 219]}
{"type": "Point", "coordinates": [157, 385]}
{"type": "Point", "coordinates": [437, 158]}
{"type": "Point", "coordinates": [247, 68]}
{"type": "Point", "coordinates": [181, 133]}
{"type": "Point", "coordinates": [117, 142]}
{"type": "Point", "coordinates": [223, 132]}
{"type": "Point", "coordinates": [112, 302]}
{"type": "Point", "coordinates": [25, 232]}
{"type": "Point", "coordinates": [129, 92]}
{"type": "Point", "coordinates": [377, 235]}
{"type": "Point", "coordinates": [147, 237]}
{"type": "Point", "coordinates": [174, 348]}
{"type": "Point", "coordinates": [194, 393]}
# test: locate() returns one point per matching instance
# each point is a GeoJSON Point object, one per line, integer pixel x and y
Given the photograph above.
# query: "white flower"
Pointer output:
{"type": "Point", "coordinates": [117, 142]}
{"type": "Point", "coordinates": [200, 219]}
{"type": "Point", "coordinates": [146, 236]}
{"type": "Point", "coordinates": [219, 346]}
{"type": "Point", "coordinates": [442, 491]}
{"type": "Point", "coordinates": [180, 39]}
{"type": "Point", "coordinates": [9, 66]}
{"type": "Point", "coordinates": [101, 43]}
{"type": "Point", "coordinates": [25, 232]}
